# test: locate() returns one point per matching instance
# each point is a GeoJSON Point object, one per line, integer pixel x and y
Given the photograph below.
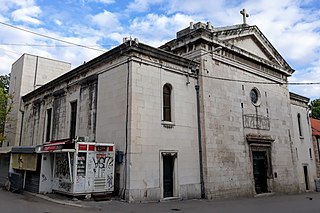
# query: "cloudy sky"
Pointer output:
{"type": "Point", "coordinates": [292, 26]}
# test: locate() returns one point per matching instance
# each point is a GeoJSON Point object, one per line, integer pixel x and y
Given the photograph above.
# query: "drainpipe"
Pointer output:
{"type": "Point", "coordinates": [317, 141]}
{"type": "Point", "coordinates": [21, 125]}
{"type": "Point", "coordinates": [126, 173]}
{"type": "Point", "coordinates": [203, 195]}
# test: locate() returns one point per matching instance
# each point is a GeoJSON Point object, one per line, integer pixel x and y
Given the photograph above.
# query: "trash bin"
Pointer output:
{"type": "Point", "coordinates": [16, 182]}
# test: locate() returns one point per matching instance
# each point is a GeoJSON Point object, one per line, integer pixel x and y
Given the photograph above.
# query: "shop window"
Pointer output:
{"type": "Point", "coordinates": [81, 164]}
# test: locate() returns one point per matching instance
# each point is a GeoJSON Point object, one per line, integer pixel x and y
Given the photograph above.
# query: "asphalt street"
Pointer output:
{"type": "Point", "coordinates": [302, 203]}
{"type": "Point", "coordinates": [27, 203]}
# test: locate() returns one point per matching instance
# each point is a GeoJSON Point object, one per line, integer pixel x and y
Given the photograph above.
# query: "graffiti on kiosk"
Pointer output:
{"type": "Point", "coordinates": [109, 181]}
{"type": "Point", "coordinates": [62, 168]}
{"type": "Point", "coordinates": [102, 161]}
{"type": "Point", "coordinates": [65, 185]}
{"type": "Point", "coordinates": [44, 178]}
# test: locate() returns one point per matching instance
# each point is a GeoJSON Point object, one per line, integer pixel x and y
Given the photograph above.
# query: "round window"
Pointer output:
{"type": "Point", "coordinates": [254, 96]}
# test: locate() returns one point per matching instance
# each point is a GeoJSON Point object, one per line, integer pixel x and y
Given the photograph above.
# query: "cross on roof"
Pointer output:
{"type": "Point", "coordinates": [244, 15]}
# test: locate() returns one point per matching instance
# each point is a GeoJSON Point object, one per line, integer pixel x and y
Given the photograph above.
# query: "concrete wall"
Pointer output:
{"type": "Point", "coordinates": [27, 74]}
{"type": "Point", "coordinates": [304, 150]}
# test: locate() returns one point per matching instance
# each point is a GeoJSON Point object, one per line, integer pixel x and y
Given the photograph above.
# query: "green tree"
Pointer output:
{"type": "Point", "coordinates": [5, 104]}
{"type": "Point", "coordinates": [315, 108]}
{"type": "Point", "coordinates": [4, 82]}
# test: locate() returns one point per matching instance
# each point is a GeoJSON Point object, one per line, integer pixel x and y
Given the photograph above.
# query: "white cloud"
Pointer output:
{"type": "Point", "coordinates": [22, 3]}
{"type": "Point", "coordinates": [291, 28]}
{"type": "Point", "coordinates": [107, 21]}
{"type": "Point", "coordinates": [99, 1]}
{"type": "Point", "coordinates": [157, 29]}
{"type": "Point", "coordinates": [58, 22]}
{"type": "Point", "coordinates": [7, 5]}
{"type": "Point", "coordinates": [142, 5]}
{"type": "Point", "coordinates": [27, 14]}
{"type": "Point", "coordinates": [106, 1]}
{"type": "Point", "coordinates": [192, 7]}
{"type": "Point", "coordinates": [307, 75]}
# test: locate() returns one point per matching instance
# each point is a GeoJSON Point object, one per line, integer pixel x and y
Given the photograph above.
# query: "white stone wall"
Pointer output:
{"type": "Point", "coordinates": [303, 145]}
{"type": "Point", "coordinates": [150, 137]}
{"type": "Point", "coordinates": [228, 157]}
{"type": "Point", "coordinates": [111, 113]}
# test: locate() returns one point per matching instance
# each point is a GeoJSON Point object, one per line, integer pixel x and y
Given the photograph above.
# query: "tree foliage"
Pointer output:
{"type": "Point", "coordinates": [315, 108]}
{"type": "Point", "coordinates": [5, 103]}
{"type": "Point", "coordinates": [4, 82]}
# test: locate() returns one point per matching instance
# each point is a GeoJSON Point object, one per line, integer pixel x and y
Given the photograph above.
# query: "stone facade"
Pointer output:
{"type": "Point", "coordinates": [230, 129]}
{"type": "Point", "coordinates": [304, 152]}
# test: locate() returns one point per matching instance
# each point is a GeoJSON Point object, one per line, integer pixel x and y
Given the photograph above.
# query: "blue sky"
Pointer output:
{"type": "Point", "coordinates": [292, 26]}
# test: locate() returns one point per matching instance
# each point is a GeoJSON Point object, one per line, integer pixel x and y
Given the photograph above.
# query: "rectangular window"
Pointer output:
{"type": "Point", "coordinates": [299, 125]}
{"type": "Point", "coordinates": [73, 119]}
{"type": "Point", "coordinates": [167, 102]}
{"type": "Point", "coordinates": [49, 118]}
{"type": "Point", "coordinates": [310, 153]}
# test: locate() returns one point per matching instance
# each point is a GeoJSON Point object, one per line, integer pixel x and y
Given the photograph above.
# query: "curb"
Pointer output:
{"type": "Point", "coordinates": [56, 201]}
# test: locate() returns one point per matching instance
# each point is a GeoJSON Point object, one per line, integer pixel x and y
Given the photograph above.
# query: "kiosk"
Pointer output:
{"type": "Point", "coordinates": [80, 168]}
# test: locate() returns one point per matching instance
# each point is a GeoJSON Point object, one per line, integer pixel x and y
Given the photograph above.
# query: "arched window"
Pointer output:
{"type": "Point", "coordinates": [167, 102]}
{"type": "Point", "coordinates": [299, 125]}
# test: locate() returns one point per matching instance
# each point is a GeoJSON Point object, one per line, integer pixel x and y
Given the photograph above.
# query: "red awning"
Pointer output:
{"type": "Point", "coordinates": [54, 145]}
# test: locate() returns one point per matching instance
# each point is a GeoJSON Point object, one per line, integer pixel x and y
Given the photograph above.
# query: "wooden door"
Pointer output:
{"type": "Point", "coordinates": [260, 167]}
{"type": "Point", "coordinates": [168, 169]}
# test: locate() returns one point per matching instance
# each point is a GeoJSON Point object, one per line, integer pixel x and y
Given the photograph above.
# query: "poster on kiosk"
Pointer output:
{"type": "Point", "coordinates": [81, 168]}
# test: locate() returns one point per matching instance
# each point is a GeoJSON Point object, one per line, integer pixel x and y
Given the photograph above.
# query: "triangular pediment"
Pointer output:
{"type": "Point", "coordinates": [250, 44]}
{"type": "Point", "coordinates": [251, 39]}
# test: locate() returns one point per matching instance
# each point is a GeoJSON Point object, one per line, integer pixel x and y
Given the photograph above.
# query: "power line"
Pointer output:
{"type": "Point", "coordinates": [10, 51]}
{"type": "Point", "coordinates": [88, 47]}
{"type": "Point", "coordinates": [260, 82]}
{"type": "Point", "coordinates": [48, 45]}
{"type": "Point", "coordinates": [49, 37]}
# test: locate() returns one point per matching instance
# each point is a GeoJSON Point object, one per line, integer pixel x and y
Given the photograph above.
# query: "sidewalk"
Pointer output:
{"type": "Point", "coordinates": [306, 202]}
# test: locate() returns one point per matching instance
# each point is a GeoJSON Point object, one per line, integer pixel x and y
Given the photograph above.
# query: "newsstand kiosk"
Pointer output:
{"type": "Point", "coordinates": [80, 168]}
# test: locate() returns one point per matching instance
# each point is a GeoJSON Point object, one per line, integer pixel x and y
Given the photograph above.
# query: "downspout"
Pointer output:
{"type": "Point", "coordinates": [127, 123]}
{"type": "Point", "coordinates": [35, 73]}
{"type": "Point", "coordinates": [21, 124]}
{"type": "Point", "coordinates": [197, 87]}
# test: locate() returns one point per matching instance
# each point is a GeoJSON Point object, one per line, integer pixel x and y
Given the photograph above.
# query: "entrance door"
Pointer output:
{"type": "Point", "coordinates": [168, 167]}
{"type": "Point", "coordinates": [306, 178]}
{"type": "Point", "coordinates": [260, 167]}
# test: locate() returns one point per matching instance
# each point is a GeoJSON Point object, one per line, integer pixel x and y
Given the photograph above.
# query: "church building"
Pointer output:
{"type": "Point", "coordinates": [206, 115]}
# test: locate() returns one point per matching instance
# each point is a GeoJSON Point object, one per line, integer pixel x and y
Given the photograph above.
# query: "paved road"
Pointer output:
{"type": "Point", "coordinates": [26, 203]}
{"type": "Point", "coordinates": [302, 203]}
